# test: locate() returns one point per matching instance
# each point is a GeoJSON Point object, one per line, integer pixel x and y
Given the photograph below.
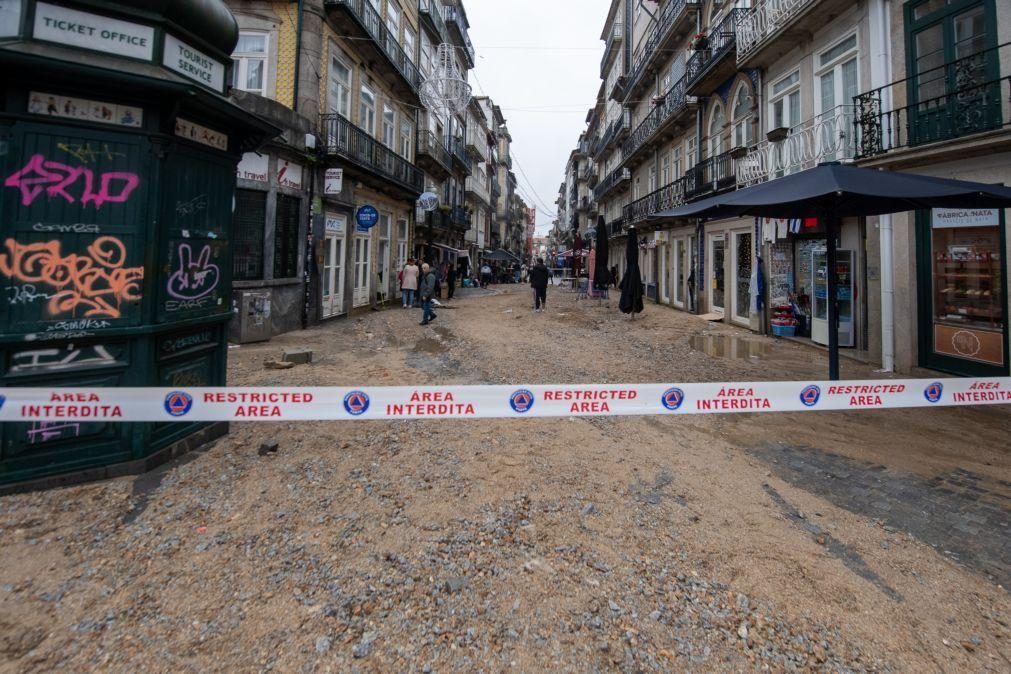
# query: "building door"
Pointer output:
{"type": "Point", "coordinates": [742, 276]}
{"type": "Point", "coordinates": [954, 85]}
{"type": "Point", "coordinates": [717, 273]}
{"type": "Point", "coordinates": [362, 270]}
{"type": "Point", "coordinates": [333, 274]}
{"type": "Point", "coordinates": [680, 274]}
{"type": "Point", "coordinates": [665, 264]}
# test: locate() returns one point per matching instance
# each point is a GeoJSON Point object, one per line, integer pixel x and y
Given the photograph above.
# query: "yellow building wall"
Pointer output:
{"type": "Point", "coordinates": [285, 87]}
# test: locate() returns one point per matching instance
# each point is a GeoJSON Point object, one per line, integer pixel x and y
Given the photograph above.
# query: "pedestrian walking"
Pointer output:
{"type": "Point", "coordinates": [427, 291]}
{"type": "Point", "coordinates": [450, 281]}
{"type": "Point", "coordinates": [409, 282]}
{"type": "Point", "coordinates": [524, 273]}
{"type": "Point", "coordinates": [539, 282]}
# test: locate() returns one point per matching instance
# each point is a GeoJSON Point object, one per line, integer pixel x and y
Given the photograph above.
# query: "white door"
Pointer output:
{"type": "Point", "coordinates": [664, 274]}
{"type": "Point", "coordinates": [717, 273]}
{"type": "Point", "coordinates": [363, 266]}
{"type": "Point", "coordinates": [333, 275]}
{"type": "Point", "coordinates": [680, 275]}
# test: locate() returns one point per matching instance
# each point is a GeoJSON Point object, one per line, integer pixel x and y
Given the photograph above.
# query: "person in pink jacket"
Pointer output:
{"type": "Point", "coordinates": [409, 282]}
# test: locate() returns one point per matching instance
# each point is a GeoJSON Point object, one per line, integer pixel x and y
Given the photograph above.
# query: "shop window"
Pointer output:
{"type": "Point", "coordinates": [250, 219]}
{"type": "Point", "coordinates": [250, 63]}
{"type": "Point", "coordinates": [286, 236]}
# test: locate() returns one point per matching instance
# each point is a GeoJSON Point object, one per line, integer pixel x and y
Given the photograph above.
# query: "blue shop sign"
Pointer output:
{"type": "Point", "coordinates": [366, 217]}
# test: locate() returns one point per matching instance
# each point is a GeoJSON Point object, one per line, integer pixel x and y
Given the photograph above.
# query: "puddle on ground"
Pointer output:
{"type": "Point", "coordinates": [430, 346]}
{"type": "Point", "coordinates": [730, 346]}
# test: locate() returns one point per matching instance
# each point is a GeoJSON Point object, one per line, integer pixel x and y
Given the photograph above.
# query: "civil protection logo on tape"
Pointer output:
{"type": "Point", "coordinates": [934, 392]}
{"type": "Point", "coordinates": [356, 403]}
{"type": "Point", "coordinates": [673, 398]}
{"type": "Point", "coordinates": [521, 401]}
{"type": "Point", "coordinates": [178, 403]}
{"type": "Point", "coordinates": [3, 399]}
{"type": "Point", "coordinates": [810, 395]}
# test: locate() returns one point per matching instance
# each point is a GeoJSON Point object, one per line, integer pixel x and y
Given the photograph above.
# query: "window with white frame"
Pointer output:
{"type": "Point", "coordinates": [393, 18]}
{"type": "Point", "coordinates": [427, 55]}
{"type": "Point", "coordinates": [401, 243]}
{"type": "Point", "coordinates": [367, 109]}
{"type": "Point", "coordinates": [665, 178]}
{"type": "Point", "coordinates": [339, 84]}
{"type": "Point", "coordinates": [652, 178]}
{"type": "Point", "coordinates": [250, 63]}
{"type": "Point", "coordinates": [691, 152]}
{"type": "Point", "coordinates": [838, 75]}
{"type": "Point", "coordinates": [717, 121]}
{"type": "Point", "coordinates": [410, 39]}
{"type": "Point", "coordinates": [389, 126]}
{"type": "Point", "coordinates": [676, 161]}
{"type": "Point", "coordinates": [743, 136]}
{"type": "Point", "coordinates": [406, 139]}
{"type": "Point", "coordinates": [377, 5]}
{"type": "Point", "coordinates": [785, 101]}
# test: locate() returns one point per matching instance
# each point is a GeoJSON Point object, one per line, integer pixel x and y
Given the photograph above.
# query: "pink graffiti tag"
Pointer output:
{"type": "Point", "coordinates": [193, 280]}
{"type": "Point", "coordinates": [55, 178]}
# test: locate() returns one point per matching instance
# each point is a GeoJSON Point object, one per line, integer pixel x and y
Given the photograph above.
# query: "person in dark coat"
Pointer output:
{"type": "Point", "coordinates": [426, 291]}
{"type": "Point", "coordinates": [450, 281]}
{"type": "Point", "coordinates": [539, 282]}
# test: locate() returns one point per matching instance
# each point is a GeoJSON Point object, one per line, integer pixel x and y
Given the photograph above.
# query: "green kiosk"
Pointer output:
{"type": "Point", "coordinates": [118, 151]}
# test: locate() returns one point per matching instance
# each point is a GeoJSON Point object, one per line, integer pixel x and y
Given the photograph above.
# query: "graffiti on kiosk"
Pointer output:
{"type": "Point", "coordinates": [66, 357]}
{"type": "Point", "coordinates": [88, 154]}
{"type": "Point", "coordinates": [194, 205]}
{"type": "Point", "coordinates": [187, 305]}
{"type": "Point", "coordinates": [96, 283]}
{"type": "Point", "coordinates": [55, 179]}
{"type": "Point", "coordinates": [193, 279]}
{"type": "Point", "coordinates": [26, 294]}
{"type": "Point", "coordinates": [76, 228]}
{"type": "Point", "coordinates": [44, 431]}
{"type": "Point", "coordinates": [80, 324]}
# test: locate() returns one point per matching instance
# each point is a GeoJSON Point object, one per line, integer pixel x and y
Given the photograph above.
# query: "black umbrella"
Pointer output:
{"type": "Point", "coordinates": [833, 191]}
{"type": "Point", "coordinates": [631, 284]}
{"type": "Point", "coordinates": [601, 274]}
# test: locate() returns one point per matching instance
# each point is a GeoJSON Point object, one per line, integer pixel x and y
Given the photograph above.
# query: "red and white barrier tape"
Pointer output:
{"type": "Point", "coordinates": [484, 402]}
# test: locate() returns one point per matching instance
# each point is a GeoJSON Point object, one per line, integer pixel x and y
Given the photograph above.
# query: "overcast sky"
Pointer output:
{"type": "Point", "coordinates": [539, 60]}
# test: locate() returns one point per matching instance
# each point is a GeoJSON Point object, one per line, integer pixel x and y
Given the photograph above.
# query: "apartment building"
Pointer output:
{"type": "Point", "coordinates": [723, 95]}
{"type": "Point", "coordinates": [327, 213]}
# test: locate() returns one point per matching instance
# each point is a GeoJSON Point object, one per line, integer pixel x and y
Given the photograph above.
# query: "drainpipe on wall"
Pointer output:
{"type": "Point", "coordinates": [298, 54]}
{"type": "Point", "coordinates": [881, 69]}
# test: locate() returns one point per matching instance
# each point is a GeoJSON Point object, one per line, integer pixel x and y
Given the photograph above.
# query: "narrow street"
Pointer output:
{"type": "Point", "coordinates": [845, 541]}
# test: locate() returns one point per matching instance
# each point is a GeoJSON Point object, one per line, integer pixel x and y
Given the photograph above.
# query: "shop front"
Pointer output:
{"type": "Point", "coordinates": [962, 291]}
{"type": "Point", "coordinates": [729, 260]}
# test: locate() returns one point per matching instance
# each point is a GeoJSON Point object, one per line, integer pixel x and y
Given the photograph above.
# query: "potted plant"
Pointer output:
{"type": "Point", "coordinates": [700, 41]}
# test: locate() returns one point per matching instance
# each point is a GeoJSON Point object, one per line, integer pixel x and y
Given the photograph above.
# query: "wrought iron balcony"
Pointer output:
{"type": "Point", "coordinates": [667, 197]}
{"type": "Point", "coordinates": [459, 151]}
{"type": "Point", "coordinates": [429, 10]}
{"type": "Point", "coordinates": [616, 131]}
{"type": "Point", "coordinates": [460, 217]}
{"type": "Point", "coordinates": [672, 23]}
{"type": "Point", "coordinates": [955, 100]}
{"type": "Point", "coordinates": [674, 104]}
{"type": "Point", "coordinates": [711, 64]}
{"type": "Point", "coordinates": [710, 176]}
{"type": "Point", "coordinates": [343, 139]}
{"type": "Point", "coordinates": [456, 22]}
{"type": "Point", "coordinates": [365, 19]}
{"type": "Point", "coordinates": [614, 39]}
{"type": "Point", "coordinates": [827, 137]}
{"type": "Point", "coordinates": [771, 22]}
{"type": "Point", "coordinates": [617, 227]}
{"type": "Point", "coordinates": [615, 178]}
{"type": "Point", "coordinates": [433, 156]}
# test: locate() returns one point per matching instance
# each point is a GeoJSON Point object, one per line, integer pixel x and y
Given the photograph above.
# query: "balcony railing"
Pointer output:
{"type": "Point", "coordinates": [958, 99]}
{"type": "Point", "coordinates": [478, 186]}
{"type": "Point", "coordinates": [369, 19]}
{"type": "Point", "coordinates": [616, 177]}
{"type": "Point", "coordinates": [669, 196]}
{"type": "Point", "coordinates": [431, 146]}
{"type": "Point", "coordinates": [459, 217]}
{"type": "Point", "coordinates": [721, 41]}
{"type": "Point", "coordinates": [616, 130]}
{"type": "Point", "coordinates": [429, 10]}
{"type": "Point", "coordinates": [457, 25]}
{"type": "Point", "coordinates": [343, 139]}
{"type": "Point", "coordinates": [673, 104]}
{"type": "Point", "coordinates": [460, 154]}
{"type": "Point", "coordinates": [827, 137]}
{"type": "Point", "coordinates": [763, 21]}
{"type": "Point", "coordinates": [617, 227]}
{"type": "Point", "coordinates": [615, 38]}
{"type": "Point", "coordinates": [709, 176]}
{"type": "Point", "coordinates": [477, 144]}
{"type": "Point", "coordinates": [670, 16]}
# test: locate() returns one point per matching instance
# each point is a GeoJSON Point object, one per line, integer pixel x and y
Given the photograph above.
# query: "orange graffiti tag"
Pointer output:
{"type": "Point", "coordinates": [96, 282]}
